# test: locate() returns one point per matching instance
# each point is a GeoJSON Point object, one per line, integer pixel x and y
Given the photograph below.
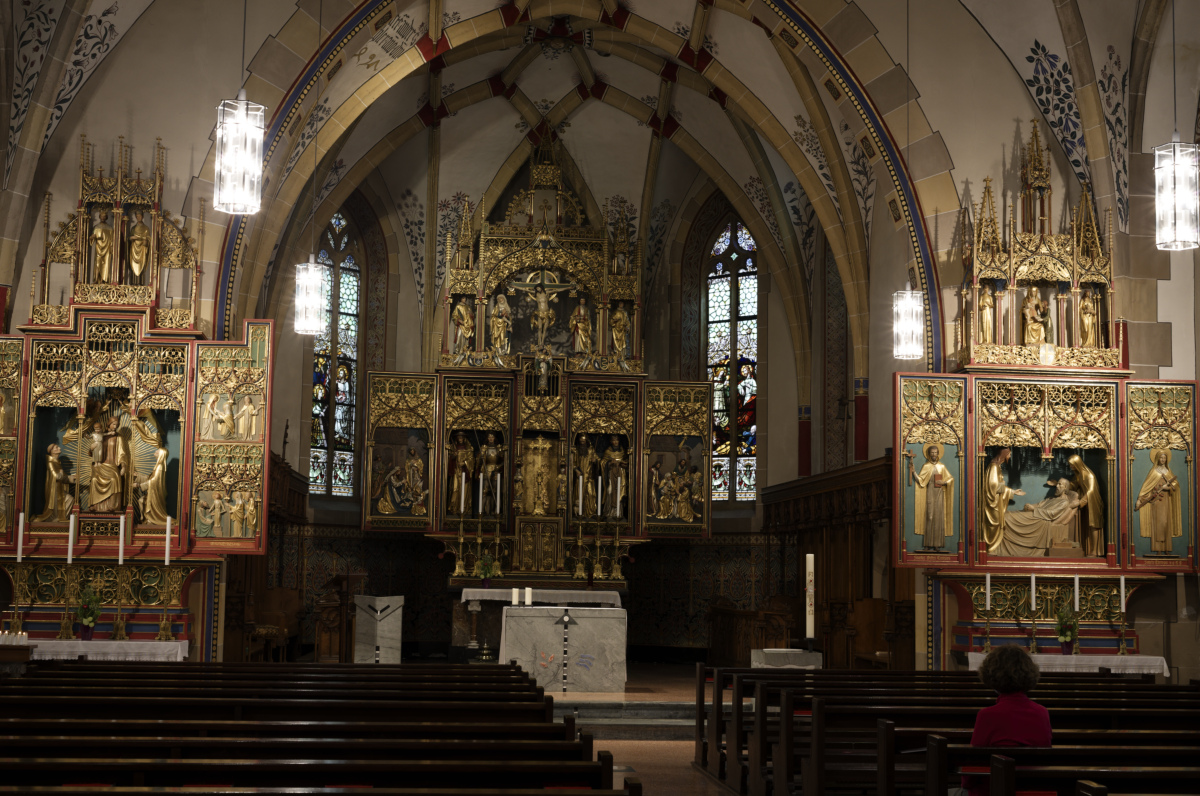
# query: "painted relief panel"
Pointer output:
{"type": "Point", "coordinates": [676, 456]}
{"type": "Point", "coordinates": [228, 496]}
{"type": "Point", "coordinates": [475, 442]}
{"type": "Point", "coordinates": [1161, 500]}
{"type": "Point", "coordinates": [10, 400]}
{"type": "Point", "coordinates": [604, 471]}
{"type": "Point", "coordinates": [401, 416]}
{"type": "Point", "coordinates": [931, 447]}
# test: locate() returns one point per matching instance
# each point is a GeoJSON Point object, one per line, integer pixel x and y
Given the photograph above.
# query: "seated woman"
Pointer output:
{"type": "Point", "coordinates": [1015, 719]}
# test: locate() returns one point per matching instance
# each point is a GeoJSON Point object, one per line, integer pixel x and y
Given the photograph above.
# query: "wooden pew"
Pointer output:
{"type": "Point", "coordinates": [1006, 776]}
{"type": "Point", "coordinates": [632, 787]}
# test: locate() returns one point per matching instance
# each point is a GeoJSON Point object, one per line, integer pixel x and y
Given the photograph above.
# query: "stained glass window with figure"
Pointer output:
{"type": "Point", "coordinates": [331, 462]}
{"type": "Point", "coordinates": [732, 343]}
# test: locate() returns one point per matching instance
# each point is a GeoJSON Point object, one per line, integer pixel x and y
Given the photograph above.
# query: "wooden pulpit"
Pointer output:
{"type": "Point", "coordinates": [334, 630]}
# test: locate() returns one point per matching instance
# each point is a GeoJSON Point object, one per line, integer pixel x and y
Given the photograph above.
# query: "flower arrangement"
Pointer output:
{"type": "Point", "coordinates": [1066, 625]}
{"type": "Point", "coordinates": [487, 566]}
{"type": "Point", "coordinates": [89, 607]}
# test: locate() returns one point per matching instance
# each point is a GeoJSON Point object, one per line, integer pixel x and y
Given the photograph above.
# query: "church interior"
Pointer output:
{"type": "Point", "coordinates": [684, 340]}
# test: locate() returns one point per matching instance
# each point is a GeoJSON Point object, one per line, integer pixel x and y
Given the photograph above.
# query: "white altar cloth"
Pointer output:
{"type": "Point", "coordinates": [98, 650]}
{"type": "Point", "coordinates": [546, 596]}
{"type": "Point", "coordinates": [1123, 664]}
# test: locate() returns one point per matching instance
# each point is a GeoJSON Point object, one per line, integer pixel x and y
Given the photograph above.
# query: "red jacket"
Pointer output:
{"type": "Point", "coordinates": [1015, 720]}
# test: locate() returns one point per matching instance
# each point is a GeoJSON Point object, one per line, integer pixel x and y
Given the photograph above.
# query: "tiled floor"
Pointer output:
{"type": "Point", "coordinates": [664, 767]}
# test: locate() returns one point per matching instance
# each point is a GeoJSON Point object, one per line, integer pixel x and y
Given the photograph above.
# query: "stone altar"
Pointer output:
{"type": "Point", "coordinates": [377, 628]}
{"type": "Point", "coordinates": [572, 649]}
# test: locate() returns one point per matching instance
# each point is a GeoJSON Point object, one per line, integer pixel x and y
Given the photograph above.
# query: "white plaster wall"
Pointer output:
{"type": "Point", "coordinates": [1177, 306]}
{"type": "Point", "coordinates": [778, 423]}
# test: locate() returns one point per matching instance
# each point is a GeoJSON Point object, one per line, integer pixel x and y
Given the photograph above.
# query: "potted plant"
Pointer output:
{"type": "Point", "coordinates": [487, 568]}
{"type": "Point", "coordinates": [89, 612]}
{"type": "Point", "coordinates": [1067, 628]}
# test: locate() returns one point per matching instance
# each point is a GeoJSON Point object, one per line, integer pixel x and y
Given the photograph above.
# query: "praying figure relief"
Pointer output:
{"type": "Point", "coordinates": [103, 243]}
{"type": "Point", "coordinates": [1160, 516]}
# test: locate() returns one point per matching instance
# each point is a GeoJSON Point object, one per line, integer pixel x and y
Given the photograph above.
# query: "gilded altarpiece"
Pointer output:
{"type": "Point", "coordinates": [676, 455]}
{"type": "Point", "coordinates": [1161, 479]}
{"type": "Point", "coordinates": [401, 429]}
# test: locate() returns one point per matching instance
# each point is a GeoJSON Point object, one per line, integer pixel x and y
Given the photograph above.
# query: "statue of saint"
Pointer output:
{"type": "Point", "coordinates": [1160, 517]}
{"type": "Point", "coordinates": [683, 498]}
{"type": "Point", "coordinates": [392, 492]}
{"type": "Point", "coordinates": [251, 514]}
{"type": "Point", "coordinates": [208, 417]}
{"type": "Point", "coordinates": [542, 293]}
{"type": "Point", "coordinates": [541, 499]}
{"type": "Point", "coordinates": [996, 495]}
{"type": "Point", "coordinates": [464, 326]}
{"type": "Point", "coordinates": [1037, 527]}
{"type": "Point", "coordinates": [414, 466]}
{"type": "Point", "coordinates": [139, 246]}
{"type": "Point", "coordinates": [934, 499]}
{"type": "Point", "coordinates": [561, 494]}
{"type": "Point", "coordinates": [246, 419]}
{"type": "Point", "coordinates": [460, 470]}
{"type": "Point", "coordinates": [109, 466]}
{"type": "Point", "coordinates": [666, 502]}
{"type": "Point", "coordinates": [226, 423]}
{"type": "Point", "coordinates": [57, 494]}
{"type": "Point", "coordinates": [618, 325]}
{"type": "Point", "coordinates": [616, 480]}
{"type": "Point", "coordinates": [1089, 324]}
{"type": "Point", "coordinates": [501, 325]}
{"type": "Point", "coordinates": [654, 486]}
{"type": "Point", "coordinates": [1089, 497]}
{"type": "Point", "coordinates": [987, 316]}
{"type": "Point", "coordinates": [219, 506]}
{"type": "Point", "coordinates": [103, 239]}
{"type": "Point", "coordinates": [154, 488]}
{"type": "Point", "coordinates": [585, 466]}
{"type": "Point", "coordinates": [581, 329]}
{"type": "Point", "coordinates": [237, 517]}
{"type": "Point", "coordinates": [518, 488]}
{"type": "Point", "coordinates": [697, 491]}
{"type": "Point", "coordinates": [1036, 314]}
{"type": "Point", "coordinates": [491, 458]}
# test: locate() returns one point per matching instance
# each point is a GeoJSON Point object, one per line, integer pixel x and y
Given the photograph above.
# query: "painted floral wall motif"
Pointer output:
{"type": "Point", "coordinates": [1114, 84]}
{"type": "Point", "coordinates": [315, 119]}
{"type": "Point", "coordinates": [616, 205]}
{"type": "Point", "coordinates": [450, 212]}
{"type": "Point", "coordinates": [806, 138]}
{"type": "Point", "coordinates": [836, 373]}
{"type": "Point", "coordinates": [652, 101]}
{"type": "Point", "coordinates": [757, 193]}
{"type": "Point", "coordinates": [684, 30]}
{"type": "Point", "coordinates": [1053, 89]}
{"type": "Point", "coordinates": [804, 219]}
{"type": "Point", "coordinates": [31, 40]}
{"type": "Point", "coordinates": [412, 214]}
{"type": "Point", "coordinates": [862, 177]}
{"type": "Point", "coordinates": [656, 239]}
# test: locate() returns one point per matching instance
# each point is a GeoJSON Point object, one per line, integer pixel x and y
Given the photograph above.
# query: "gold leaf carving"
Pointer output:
{"type": "Point", "coordinates": [932, 410]}
{"type": "Point", "coordinates": [1160, 416]}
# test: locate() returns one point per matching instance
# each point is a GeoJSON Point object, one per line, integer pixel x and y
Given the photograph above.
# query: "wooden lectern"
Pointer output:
{"type": "Point", "coordinates": [334, 631]}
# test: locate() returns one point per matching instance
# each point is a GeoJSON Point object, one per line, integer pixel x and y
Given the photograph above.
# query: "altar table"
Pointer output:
{"type": "Point", "coordinates": [591, 656]}
{"type": "Point", "coordinates": [1123, 664]}
{"type": "Point", "coordinates": [546, 596]}
{"type": "Point", "coordinates": [98, 650]}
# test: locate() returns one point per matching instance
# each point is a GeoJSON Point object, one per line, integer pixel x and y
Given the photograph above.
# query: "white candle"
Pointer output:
{"type": "Point", "coordinates": [71, 540]}
{"type": "Point", "coordinates": [516, 596]}
{"type": "Point", "coordinates": [599, 492]}
{"type": "Point", "coordinates": [1032, 592]}
{"type": "Point", "coordinates": [810, 588]}
{"type": "Point", "coordinates": [528, 596]}
{"type": "Point", "coordinates": [498, 493]}
{"type": "Point", "coordinates": [20, 535]}
{"type": "Point", "coordinates": [121, 543]}
{"type": "Point", "coordinates": [479, 505]}
{"type": "Point", "coordinates": [617, 498]}
{"type": "Point", "coordinates": [579, 499]}
{"type": "Point", "coordinates": [167, 545]}
{"type": "Point", "coordinates": [1122, 594]}
{"type": "Point", "coordinates": [462, 493]}
{"type": "Point", "coordinates": [1076, 594]}
{"type": "Point", "coordinates": [987, 589]}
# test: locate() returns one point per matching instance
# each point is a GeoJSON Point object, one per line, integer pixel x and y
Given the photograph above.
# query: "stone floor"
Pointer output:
{"type": "Point", "coordinates": [664, 767]}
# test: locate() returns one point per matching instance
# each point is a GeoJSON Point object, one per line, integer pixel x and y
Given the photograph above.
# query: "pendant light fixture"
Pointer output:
{"type": "Point", "coordinates": [311, 299]}
{"type": "Point", "coordinates": [908, 305]}
{"type": "Point", "coordinates": [237, 180]}
{"type": "Point", "coordinates": [1176, 182]}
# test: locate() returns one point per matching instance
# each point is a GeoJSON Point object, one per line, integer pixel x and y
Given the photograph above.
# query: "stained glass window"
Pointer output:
{"type": "Point", "coordinates": [331, 462]}
{"type": "Point", "coordinates": [732, 344]}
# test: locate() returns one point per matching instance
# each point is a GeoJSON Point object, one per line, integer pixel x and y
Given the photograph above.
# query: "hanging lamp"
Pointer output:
{"type": "Point", "coordinates": [1176, 182]}
{"type": "Point", "coordinates": [908, 324]}
{"type": "Point", "coordinates": [311, 300]}
{"type": "Point", "coordinates": [237, 180]}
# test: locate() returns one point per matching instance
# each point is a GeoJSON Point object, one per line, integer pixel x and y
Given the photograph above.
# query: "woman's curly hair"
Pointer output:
{"type": "Point", "coordinates": [1009, 669]}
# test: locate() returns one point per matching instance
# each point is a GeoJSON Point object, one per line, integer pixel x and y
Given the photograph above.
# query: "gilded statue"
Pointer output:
{"type": "Point", "coordinates": [987, 316]}
{"type": "Point", "coordinates": [1036, 315]}
{"type": "Point", "coordinates": [251, 514]}
{"type": "Point", "coordinates": [463, 320]}
{"type": "Point", "coordinates": [618, 325]}
{"type": "Point", "coordinates": [224, 424]}
{"type": "Point", "coordinates": [542, 293]}
{"type": "Point", "coordinates": [1158, 505]}
{"type": "Point", "coordinates": [103, 242]}
{"type": "Point", "coordinates": [518, 488]}
{"type": "Point", "coordinates": [109, 467]}
{"type": "Point", "coordinates": [392, 491]}
{"type": "Point", "coordinates": [581, 329]}
{"type": "Point", "coordinates": [616, 480]}
{"type": "Point", "coordinates": [414, 467]}
{"type": "Point", "coordinates": [683, 498]}
{"type": "Point", "coordinates": [153, 488]}
{"type": "Point", "coordinates": [934, 497]}
{"type": "Point", "coordinates": [541, 498]}
{"type": "Point", "coordinates": [208, 416]}
{"type": "Point", "coordinates": [491, 462]}
{"type": "Point", "coordinates": [246, 419]}
{"type": "Point", "coordinates": [237, 516]}
{"type": "Point", "coordinates": [1037, 527]}
{"type": "Point", "coordinates": [666, 500]}
{"type": "Point", "coordinates": [1088, 488]}
{"type": "Point", "coordinates": [586, 462]}
{"type": "Point", "coordinates": [501, 325]}
{"type": "Point", "coordinates": [459, 471]}
{"type": "Point", "coordinates": [654, 486]}
{"type": "Point", "coordinates": [139, 246]}
{"type": "Point", "coordinates": [996, 495]}
{"type": "Point", "coordinates": [57, 494]}
{"type": "Point", "coordinates": [1089, 323]}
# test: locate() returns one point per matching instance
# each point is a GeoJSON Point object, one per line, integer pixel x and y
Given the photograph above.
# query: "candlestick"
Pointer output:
{"type": "Point", "coordinates": [71, 541]}
{"type": "Point", "coordinates": [810, 588]}
{"type": "Point", "coordinates": [20, 535]}
{"type": "Point", "coordinates": [167, 545]}
{"type": "Point", "coordinates": [1076, 594]}
{"type": "Point", "coordinates": [987, 588]}
{"type": "Point", "coordinates": [121, 543]}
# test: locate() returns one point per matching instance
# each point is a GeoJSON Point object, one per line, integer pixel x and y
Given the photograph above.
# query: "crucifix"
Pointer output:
{"type": "Point", "coordinates": [543, 293]}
